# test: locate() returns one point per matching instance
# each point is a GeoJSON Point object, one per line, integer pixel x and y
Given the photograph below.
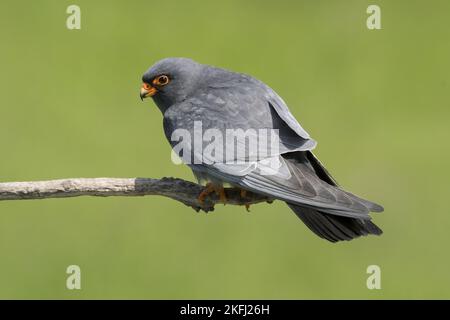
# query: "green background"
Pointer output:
{"type": "Point", "coordinates": [376, 100]}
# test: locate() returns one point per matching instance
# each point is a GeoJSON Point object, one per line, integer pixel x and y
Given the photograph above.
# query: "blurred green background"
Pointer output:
{"type": "Point", "coordinates": [376, 100]}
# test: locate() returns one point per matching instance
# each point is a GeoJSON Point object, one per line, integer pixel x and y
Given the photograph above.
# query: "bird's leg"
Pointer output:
{"type": "Point", "coordinates": [243, 195]}
{"type": "Point", "coordinates": [206, 192]}
{"type": "Point", "coordinates": [210, 188]}
{"type": "Point", "coordinates": [220, 191]}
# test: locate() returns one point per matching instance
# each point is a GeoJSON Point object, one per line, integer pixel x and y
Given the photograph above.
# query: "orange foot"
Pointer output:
{"type": "Point", "coordinates": [243, 195]}
{"type": "Point", "coordinates": [210, 188]}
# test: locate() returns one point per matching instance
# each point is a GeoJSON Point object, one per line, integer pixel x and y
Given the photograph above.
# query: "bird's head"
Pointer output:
{"type": "Point", "coordinates": [170, 81]}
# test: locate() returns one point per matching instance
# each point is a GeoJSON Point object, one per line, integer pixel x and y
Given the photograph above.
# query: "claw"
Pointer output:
{"type": "Point", "coordinates": [210, 188]}
{"type": "Point", "coordinates": [244, 195]}
{"type": "Point", "coordinates": [206, 192]}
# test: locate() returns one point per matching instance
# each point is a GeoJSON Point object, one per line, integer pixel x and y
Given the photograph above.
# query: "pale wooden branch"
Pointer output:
{"type": "Point", "coordinates": [177, 189]}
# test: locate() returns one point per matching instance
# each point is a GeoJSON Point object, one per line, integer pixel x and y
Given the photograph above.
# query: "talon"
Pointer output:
{"type": "Point", "coordinates": [210, 188]}
{"type": "Point", "coordinates": [206, 192]}
{"type": "Point", "coordinates": [243, 196]}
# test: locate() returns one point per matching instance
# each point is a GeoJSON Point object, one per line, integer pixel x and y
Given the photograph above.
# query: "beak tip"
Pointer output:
{"type": "Point", "coordinates": [147, 92]}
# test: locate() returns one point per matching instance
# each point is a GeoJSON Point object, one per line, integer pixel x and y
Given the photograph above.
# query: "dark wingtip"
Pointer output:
{"type": "Point", "coordinates": [376, 208]}
{"type": "Point", "coordinates": [373, 228]}
{"type": "Point", "coordinates": [335, 228]}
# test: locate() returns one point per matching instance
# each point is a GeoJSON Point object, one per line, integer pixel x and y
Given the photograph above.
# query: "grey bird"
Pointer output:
{"type": "Point", "coordinates": [187, 92]}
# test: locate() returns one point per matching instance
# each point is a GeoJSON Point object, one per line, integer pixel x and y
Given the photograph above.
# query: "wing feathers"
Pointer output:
{"type": "Point", "coordinates": [334, 228]}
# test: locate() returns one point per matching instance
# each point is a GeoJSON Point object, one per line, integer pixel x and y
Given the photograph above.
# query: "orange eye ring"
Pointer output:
{"type": "Point", "coordinates": [161, 80]}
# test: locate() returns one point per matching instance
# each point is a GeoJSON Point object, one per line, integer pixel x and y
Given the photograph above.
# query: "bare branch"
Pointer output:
{"type": "Point", "coordinates": [177, 189]}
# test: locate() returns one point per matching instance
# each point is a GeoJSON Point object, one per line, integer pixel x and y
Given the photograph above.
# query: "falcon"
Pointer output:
{"type": "Point", "coordinates": [189, 94]}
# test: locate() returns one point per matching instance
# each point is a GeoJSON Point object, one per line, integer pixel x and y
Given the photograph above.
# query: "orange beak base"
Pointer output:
{"type": "Point", "coordinates": [147, 91]}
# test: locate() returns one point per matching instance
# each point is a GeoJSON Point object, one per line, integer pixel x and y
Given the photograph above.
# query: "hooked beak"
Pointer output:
{"type": "Point", "coordinates": [147, 91]}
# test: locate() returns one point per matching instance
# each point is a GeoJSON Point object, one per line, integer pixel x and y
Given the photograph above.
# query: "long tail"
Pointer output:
{"type": "Point", "coordinates": [334, 228]}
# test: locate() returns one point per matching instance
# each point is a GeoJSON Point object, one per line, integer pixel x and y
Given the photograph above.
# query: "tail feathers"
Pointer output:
{"type": "Point", "coordinates": [334, 228]}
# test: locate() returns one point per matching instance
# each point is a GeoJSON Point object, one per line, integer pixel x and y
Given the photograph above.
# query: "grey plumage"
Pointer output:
{"type": "Point", "coordinates": [222, 100]}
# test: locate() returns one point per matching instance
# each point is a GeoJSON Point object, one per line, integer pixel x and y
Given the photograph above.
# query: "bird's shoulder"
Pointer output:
{"type": "Point", "coordinates": [237, 100]}
{"type": "Point", "coordinates": [225, 97]}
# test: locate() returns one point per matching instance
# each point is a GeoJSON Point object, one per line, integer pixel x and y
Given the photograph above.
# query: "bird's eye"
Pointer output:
{"type": "Point", "coordinates": [161, 80]}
